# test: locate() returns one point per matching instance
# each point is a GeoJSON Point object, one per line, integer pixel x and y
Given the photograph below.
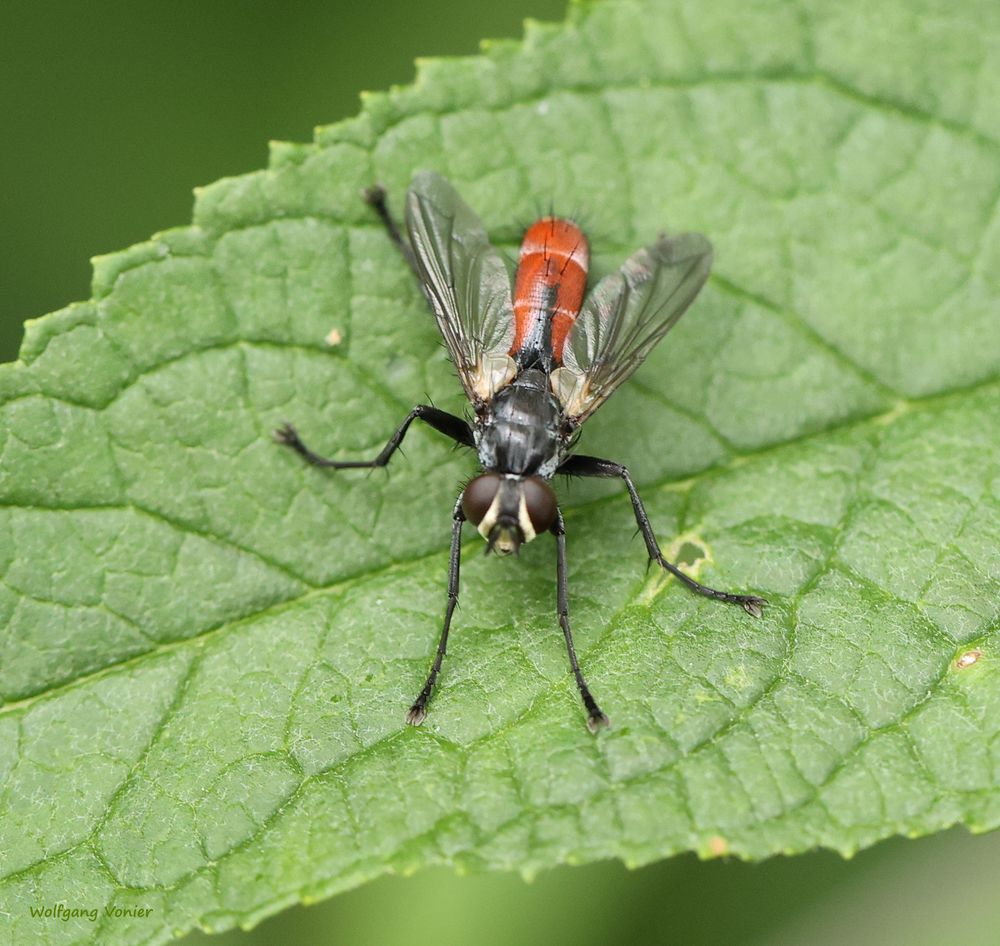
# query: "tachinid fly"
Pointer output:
{"type": "Point", "coordinates": [535, 365]}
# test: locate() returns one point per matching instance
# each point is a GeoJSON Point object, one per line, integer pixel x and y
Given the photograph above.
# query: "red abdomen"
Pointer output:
{"type": "Point", "coordinates": [551, 281]}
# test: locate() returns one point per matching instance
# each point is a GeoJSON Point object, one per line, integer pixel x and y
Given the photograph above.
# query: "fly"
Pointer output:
{"type": "Point", "coordinates": [535, 365]}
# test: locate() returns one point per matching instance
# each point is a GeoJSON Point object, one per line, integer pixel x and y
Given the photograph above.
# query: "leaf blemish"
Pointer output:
{"type": "Point", "coordinates": [690, 553]}
{"type": "Point", "coordinates": [718, 846]}
{"type": "Point", "coordinates": [967, 659]}
{"type": "Point", "coordinates": [687, 550]}
{"type": "Point", "coordinates": [894, 413]}
{"type": "Point", "coordinates": [334, 337]}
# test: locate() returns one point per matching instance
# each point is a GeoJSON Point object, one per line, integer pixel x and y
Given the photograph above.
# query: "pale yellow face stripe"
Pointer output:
{"type": "Point", "coordinates": [488, 521]}
{"type": "Point", "coordinates": [524, 520]}
{"type": "Point", "coordinates": [493, 513]}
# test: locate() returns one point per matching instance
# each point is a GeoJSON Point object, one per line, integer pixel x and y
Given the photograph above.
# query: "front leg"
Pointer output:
{"type": "Point", "coordinates": [418, 711]}
{"type": "Point", "coordinates": [593, 466]}
{"type": "Point", "coordinates": [447, 424]}
{"type": "Point", "coordinates": [595, 717]}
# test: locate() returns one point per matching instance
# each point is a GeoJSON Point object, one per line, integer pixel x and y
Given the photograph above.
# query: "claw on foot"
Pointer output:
{"type": "Point", "coordinates": [286, 434]}
{"type": "Point", "coordinates": [416, 714]}
{"type": "Point", "coordinates": [753, 605]}
{"type": "Point", "coordinates": [374, 195]}
{"type": "Point", "coordinates": [597, 721]}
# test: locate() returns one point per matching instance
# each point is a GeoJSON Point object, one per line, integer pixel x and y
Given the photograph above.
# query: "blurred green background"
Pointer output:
{"type": "Point", "coordinates": [112, 112]}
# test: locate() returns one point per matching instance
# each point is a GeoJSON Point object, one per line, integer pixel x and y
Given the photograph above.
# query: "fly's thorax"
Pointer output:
{"type": "Point", "coordinates": [509, 510]}
{"type": "Point", "coordinates": [522, 432]}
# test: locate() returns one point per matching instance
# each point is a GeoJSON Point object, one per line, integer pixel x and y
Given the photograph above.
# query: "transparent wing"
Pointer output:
{"type": "Point", "coordinates": [465, 281]}
{"type": "Point", "coordinates": [627, 313]}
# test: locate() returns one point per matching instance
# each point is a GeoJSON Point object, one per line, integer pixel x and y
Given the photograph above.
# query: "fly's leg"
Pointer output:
{"type": "Point", "coordinates": [375, 198]}
{"type": "Point", "coordinates": [447, 424]}
{"type": "Point", "coordinates": [418, 711]}
{"type": "Point", "coordinates": [595, 718]}
{"type": "Point", "coordinates": [593, 466]}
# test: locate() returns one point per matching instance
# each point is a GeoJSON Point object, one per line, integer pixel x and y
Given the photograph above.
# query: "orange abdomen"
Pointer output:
{"type": "Point", "coordinates": [550, 285]}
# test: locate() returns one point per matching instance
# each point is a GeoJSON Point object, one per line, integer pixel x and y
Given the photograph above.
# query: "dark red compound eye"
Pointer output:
{"type": "Point", "coordinates": [540, 502]}
{"type": "Point", "coordinates": [479, 495]}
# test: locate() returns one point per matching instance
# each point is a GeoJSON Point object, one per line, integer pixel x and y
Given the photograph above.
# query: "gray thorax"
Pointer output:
{"type": "Point", "coordinates": [521, 432]}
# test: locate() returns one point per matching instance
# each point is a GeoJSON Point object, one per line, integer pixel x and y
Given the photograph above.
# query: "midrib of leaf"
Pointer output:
{"type": "Point", "coordinates": [902, 406]}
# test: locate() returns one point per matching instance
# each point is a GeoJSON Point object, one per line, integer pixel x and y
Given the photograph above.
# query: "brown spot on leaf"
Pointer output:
{"type": "Point", "coordinates": [968, 659]}
{"type": "Point", "coordinates": [718, 846]}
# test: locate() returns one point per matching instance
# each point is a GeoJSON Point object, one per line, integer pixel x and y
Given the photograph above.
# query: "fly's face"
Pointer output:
{"type": "Point", "coordinates": [509, 510]}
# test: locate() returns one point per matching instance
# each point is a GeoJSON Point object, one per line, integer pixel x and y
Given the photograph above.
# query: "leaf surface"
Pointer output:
{"type": "Point", "coordinates": [210, 647]}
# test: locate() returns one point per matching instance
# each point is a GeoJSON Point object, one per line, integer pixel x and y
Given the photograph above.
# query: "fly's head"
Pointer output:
{"type": "Point", "coordinates": [508, 509]}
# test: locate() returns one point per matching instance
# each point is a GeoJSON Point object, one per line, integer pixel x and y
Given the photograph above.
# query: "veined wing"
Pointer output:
{"type": "Point", "coordinates": [625, 316]}
{"type": "Point", "coordinates": [466, 283]}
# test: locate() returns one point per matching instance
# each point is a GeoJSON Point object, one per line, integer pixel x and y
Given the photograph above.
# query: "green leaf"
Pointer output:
{"type": "Point", "coordinates": [210, 647]}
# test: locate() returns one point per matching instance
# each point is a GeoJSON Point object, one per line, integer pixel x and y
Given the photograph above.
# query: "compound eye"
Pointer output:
{"type": "Point", "coordinates": [540, 503]}
{"type": "Point", "coordinates": [479, 495]}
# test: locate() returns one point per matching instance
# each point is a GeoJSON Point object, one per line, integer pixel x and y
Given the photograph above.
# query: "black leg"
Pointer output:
{"type": "Point", "coordinates": [375, 198]}
{"type": "Point", "coordinates": [448, 424]}
{"type": "Point", "coordinates": [418, 711]}
{"type": "Point", "coordinates": [593, 466]}
{"type": "Point", "coordinates": [595, 718]}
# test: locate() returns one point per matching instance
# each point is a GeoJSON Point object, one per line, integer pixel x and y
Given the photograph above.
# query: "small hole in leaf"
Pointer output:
{"type": "Point", "coordinates": [689, 553]}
